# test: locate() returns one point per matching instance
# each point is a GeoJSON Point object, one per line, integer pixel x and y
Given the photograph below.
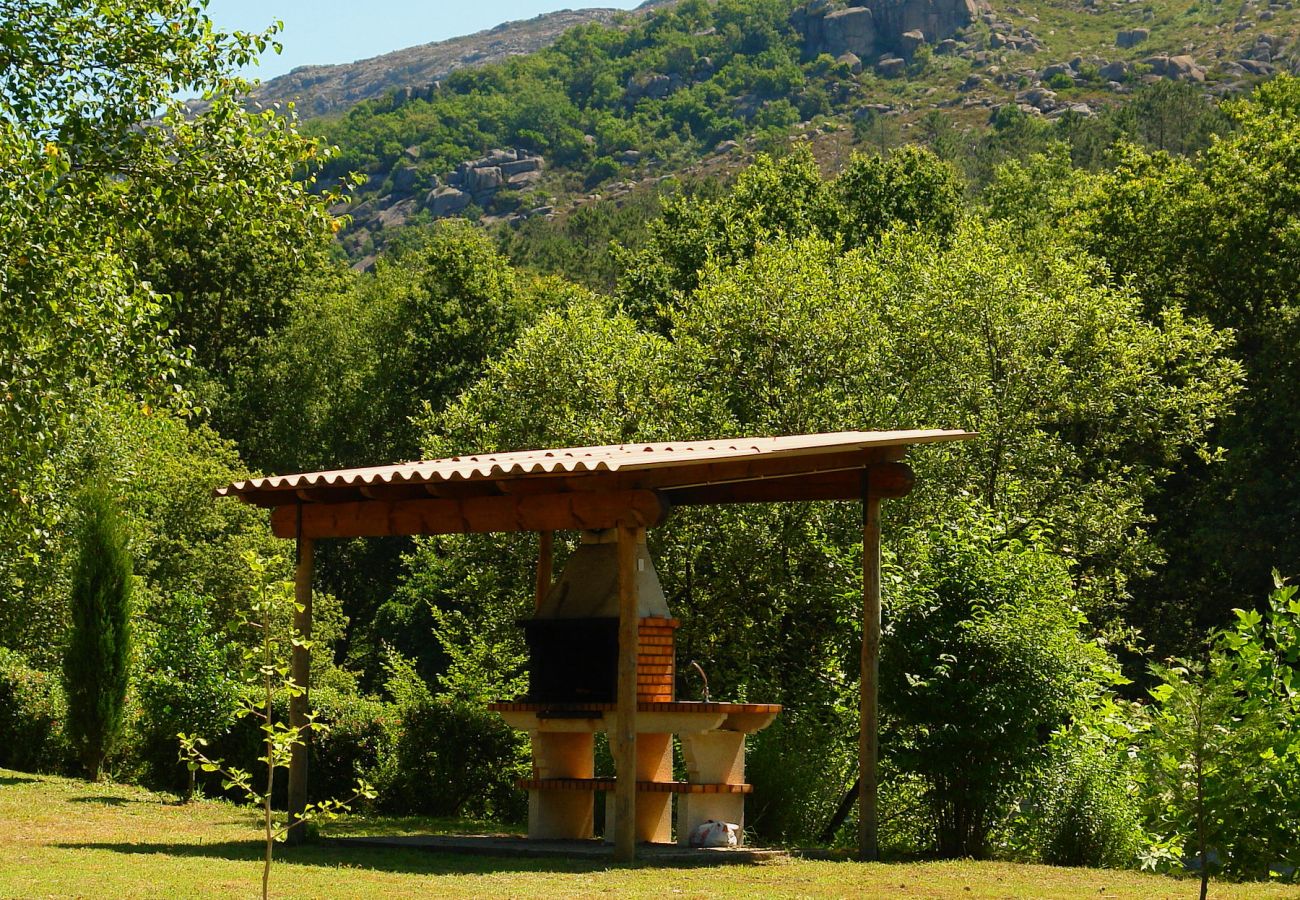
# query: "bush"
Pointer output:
{"type": "Point", "coordinates": [33, 710]}
{"type": "Point", "coordinates": [187, 684]}
{"type": "Point", "coordinates": [359, 738]}
{"type": "Point", "coordinates": [454, 758]}
{"type": "Point", "coordinates": [1060, 82]}
{"type": "Point", "coordinates": [800, 767]}
{"type": "Point", "coordinates": [1085, 807]}
{"type": "Point", "coordinates": [982, 662]}
{"type": "Point", "coordinates": [921, 59]}
{"type": "Point", "coordinates": [602, 169]}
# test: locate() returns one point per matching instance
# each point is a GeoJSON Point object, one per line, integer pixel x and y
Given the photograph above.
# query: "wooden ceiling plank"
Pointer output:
{"type": "Point", "coordinates": [887, 479]}
{"type": "Point", "coordinates": [325, 494]}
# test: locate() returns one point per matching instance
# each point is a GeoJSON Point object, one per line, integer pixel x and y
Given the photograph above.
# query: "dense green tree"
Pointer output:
{"type": "Point", "coordinates": [99, 161]}
{"type": "Point", "coordinates": [339, 384]}
{"type": "Point", "coordinates": [1173, 116]}
{"type": "Point", "coordinates": [579, 246]}
{"type": "Point", "coordinates": [1024, 346]}
{"type": "Point", "coordinates": [909, 187]}
{"type": "Point", "coordinates": [788, 198]}
{"type": "Point", "coordinates": [1217, 237]}
{"type": "Point", "coordinates": [97, 660]}
{"type": "Point", "coordinates": [785, 196]}
{"type": "Point", "coordinates": [464, 308]}
{"type": "Point", "coordinates": [359, 356]}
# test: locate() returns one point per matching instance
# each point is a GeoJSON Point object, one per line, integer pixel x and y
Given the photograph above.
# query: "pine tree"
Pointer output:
{"type": "Point", "coordinates": [97, 660]}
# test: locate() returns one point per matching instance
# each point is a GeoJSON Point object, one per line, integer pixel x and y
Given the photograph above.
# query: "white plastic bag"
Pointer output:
{"type": "Point", "coordinates": [715, 834]}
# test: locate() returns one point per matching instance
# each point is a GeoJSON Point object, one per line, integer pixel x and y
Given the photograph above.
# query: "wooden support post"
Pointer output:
{"type": "Point", "coordinates": [300, 669]}
{"type": "Point", "coordinates": [625, 718]}
{"type": "Point", "coordinates": [868, 727]}
{"type": "Point", "coordinates": [545, 545]}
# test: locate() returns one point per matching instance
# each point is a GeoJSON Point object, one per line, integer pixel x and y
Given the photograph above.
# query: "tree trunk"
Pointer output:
{"type": "Point", "coordinates": [1200, 830]}
{"type": "Point", "coordinates": [270, 760]}
{"type": "Point", "coordinates": [94, 762]}
{"type": "Point", "coordinates": [1200, 792]}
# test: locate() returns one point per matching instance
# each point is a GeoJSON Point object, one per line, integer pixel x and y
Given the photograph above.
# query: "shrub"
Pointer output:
{"type": "Point", "coordinates": [33, 711]}
{"type": "Point", "coordinates": [454, 758]}
{"type": "Point", "coordinates": [451, 756]}
{"type": "Point", "coordinates": [1060, 82]}
{"type": "Point", "coordinates": [800, 767]}
{"type": "Point", "coordinates": [1084, 808]}
{"type": "Point", "coordinates": [187, 684]}
{"type": "Point", "coordinates": [602, 169]}
{"type": "Point", "coordinates": [359, 736]}
{"type": "Point", "coordinates": [921, 59]}
{"type": "Point", "coordinates": [981, 663]}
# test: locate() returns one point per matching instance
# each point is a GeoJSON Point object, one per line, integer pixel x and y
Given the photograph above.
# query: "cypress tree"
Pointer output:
{"type": "Point", "coordinates": [97, 660]}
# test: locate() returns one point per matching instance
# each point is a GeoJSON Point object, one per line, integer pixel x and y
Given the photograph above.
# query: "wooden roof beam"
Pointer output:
{"type": "Point", "coordinates": [545, 512]}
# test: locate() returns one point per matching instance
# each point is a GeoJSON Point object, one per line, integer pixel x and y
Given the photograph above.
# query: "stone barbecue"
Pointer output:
{"type": "Point", "coordinates": [573, 683]}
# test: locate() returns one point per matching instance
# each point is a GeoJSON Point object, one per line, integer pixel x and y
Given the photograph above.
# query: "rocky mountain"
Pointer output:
{"type": "Point", "coordinates": [318, 90]}
{"type": "Point", "coordinates": [696, 88]}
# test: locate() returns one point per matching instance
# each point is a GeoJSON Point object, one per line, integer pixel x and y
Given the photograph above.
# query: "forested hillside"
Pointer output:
{"type": "Point", "coordinates": [321, 89]}
{"type": "Point", "coordinates": [1090, 651]}
{"type": "Point", "coordinates": [611, 109]}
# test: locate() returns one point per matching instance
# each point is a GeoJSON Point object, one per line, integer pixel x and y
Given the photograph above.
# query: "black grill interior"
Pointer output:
{"type": "Point", "coordinates": [572, 660]}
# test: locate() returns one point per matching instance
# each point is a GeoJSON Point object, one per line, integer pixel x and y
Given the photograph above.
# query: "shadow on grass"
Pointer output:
{"type": "Point", "coordinates": [11, 780]}
{"type": "Point", "coordinates": [384, 859]}
{"type": "Point", "coordinates": [109, 801]}
{"type": "Point", "coordinates": [387, 826]}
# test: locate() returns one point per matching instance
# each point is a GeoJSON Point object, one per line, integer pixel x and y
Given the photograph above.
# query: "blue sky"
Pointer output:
{"type": "Point", "coordinates": [327, 31]}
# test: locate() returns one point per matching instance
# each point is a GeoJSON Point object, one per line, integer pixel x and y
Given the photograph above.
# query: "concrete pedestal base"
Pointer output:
{"type": "Point", "coordinates": [562, 814]}
{"type": "Point", "coordinates": [654, 811]}
{"type": "Point", "coordinates": [695, 809]}
{"type": "Point", "coordinates": [654, 817]}
{"type": "Point", "coordinates": [712, 757]}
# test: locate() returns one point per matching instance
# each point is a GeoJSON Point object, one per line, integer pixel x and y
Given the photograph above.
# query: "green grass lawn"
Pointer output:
{"type": "Point", "coordinates": [65, 838]}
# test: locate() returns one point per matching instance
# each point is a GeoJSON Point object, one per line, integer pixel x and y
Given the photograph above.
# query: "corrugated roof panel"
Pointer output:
{"type": "Point", "coordinates": [580, 460]}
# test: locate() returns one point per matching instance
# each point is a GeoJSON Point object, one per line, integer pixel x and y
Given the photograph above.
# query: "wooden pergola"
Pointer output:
{"type": "Point", "coordinates": [627, 488]}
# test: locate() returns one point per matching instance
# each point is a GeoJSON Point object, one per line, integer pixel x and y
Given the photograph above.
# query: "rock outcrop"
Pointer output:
{"type": "Point", "coordinates": [494, 182]}
{"type": "Point", "coordinates": [1131, 38]}
{"type": "Point", "coordinates": [1177, 68]}
{"type": "Point", "coordinates": [843, 31]}
{"type": "Point", "coordinates": [872, 28]}
{"type": "Point", "coordinates": [481, 179]}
